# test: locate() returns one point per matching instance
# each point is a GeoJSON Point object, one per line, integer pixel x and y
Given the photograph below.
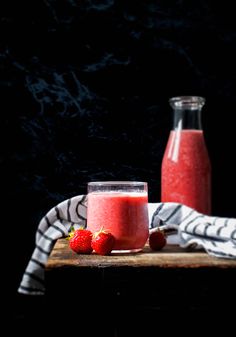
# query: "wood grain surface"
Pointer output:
{"type": "Point", "coordinates": [170, 257]}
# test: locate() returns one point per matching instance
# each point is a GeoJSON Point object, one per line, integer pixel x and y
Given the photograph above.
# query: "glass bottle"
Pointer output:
{"type": "Point", "coordinates": [186, 167]}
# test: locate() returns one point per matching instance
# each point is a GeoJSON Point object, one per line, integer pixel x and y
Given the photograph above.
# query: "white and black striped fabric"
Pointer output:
{"type": "Point", "coordinates": [216, 235]}
{"type": "Point", "coordinates": [54, 225]}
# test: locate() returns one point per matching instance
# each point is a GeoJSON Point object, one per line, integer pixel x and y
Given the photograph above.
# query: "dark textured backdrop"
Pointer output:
{"type": "Point", "coordinates": [84, 96]}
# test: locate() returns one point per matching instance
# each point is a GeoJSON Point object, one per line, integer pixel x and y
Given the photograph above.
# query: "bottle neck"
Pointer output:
{"type": "Point", "coordinates": [187, 119]}
{"type": "Point", "coordinates": [187, 112]}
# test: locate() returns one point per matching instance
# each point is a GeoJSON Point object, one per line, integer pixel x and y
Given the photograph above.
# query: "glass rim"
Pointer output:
{"type": "Point", "coordinates": [187, 101]}
{"type": "Point", "coordinates": [117, 182]}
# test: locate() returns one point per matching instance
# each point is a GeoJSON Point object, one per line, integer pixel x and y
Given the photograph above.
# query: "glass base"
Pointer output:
{"type": "Point", "coordinates": [126, 251]}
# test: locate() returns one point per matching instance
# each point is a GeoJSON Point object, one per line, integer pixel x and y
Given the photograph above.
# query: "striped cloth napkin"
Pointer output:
{"type": "Point", "coordinates": [216, 235]}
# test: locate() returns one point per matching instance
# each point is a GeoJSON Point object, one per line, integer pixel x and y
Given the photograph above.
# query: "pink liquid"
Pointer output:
{"type": "Point", "coordinates": [125, 215]}
{"type": "Point", "coordinates": [186, 171]}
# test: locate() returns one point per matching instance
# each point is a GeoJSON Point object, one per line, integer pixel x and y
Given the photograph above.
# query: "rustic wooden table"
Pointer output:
{"type": "Point", "coordinates": [172, 256]}
{"type": "Point", "coordinates": [147, 284]}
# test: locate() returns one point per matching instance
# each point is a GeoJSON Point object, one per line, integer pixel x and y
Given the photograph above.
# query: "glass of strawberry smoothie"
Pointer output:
{"type": "Point", "coordinates": [120, 207]}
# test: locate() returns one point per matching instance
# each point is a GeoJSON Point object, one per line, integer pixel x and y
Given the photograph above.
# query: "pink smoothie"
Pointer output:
{"type": "Point", "coordinates": [125, 215]}
{"type": "Point", "coordinates": [186, 171]}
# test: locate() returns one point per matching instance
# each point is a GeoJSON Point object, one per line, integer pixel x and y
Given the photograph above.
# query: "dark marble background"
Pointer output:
{"type": "Point", "coordinates": [84, 96]}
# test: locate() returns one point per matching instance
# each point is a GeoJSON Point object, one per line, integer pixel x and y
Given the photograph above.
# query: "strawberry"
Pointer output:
{"type": "Point", "coordinates": [80, 241]}
{"type": "Point", "coordinates": [157, 240]}
{"type": "Point", "coordinates": [103, 242]}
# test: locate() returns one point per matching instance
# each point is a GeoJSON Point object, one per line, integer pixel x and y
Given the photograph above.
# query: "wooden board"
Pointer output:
{"type": "Point", "coordinates": [148, 284]}
{"type": "Point", "coordinates": [170, 257]}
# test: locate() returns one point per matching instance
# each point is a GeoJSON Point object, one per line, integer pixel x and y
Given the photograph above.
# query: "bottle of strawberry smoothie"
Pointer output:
{"type": "Point", "coordinates": [186, 167]}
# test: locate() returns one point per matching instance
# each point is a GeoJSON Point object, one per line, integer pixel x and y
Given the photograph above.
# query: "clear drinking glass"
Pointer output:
{"type": "Point", "coordinates": [120, 207]}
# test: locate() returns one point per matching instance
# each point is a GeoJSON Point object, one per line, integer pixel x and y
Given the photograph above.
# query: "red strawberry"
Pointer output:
{"type": "Point", "coordinates": [157, 240]}
{"type": "Point", "coordinates": [80, 241]}
{"type": "Point", "coordinates": [103, 242]}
